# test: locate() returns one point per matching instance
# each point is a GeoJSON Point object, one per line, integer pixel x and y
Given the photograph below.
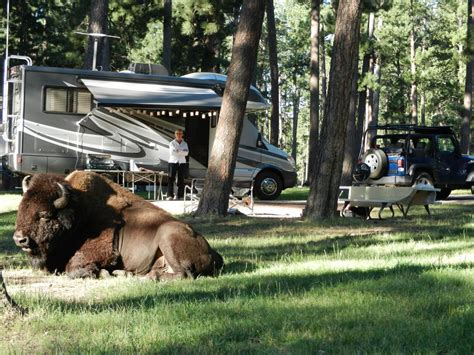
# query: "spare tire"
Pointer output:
{"type": "Point", "coordinates": [377, 160]}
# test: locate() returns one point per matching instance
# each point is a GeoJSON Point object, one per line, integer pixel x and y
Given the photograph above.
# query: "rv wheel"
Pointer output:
{"type": "Point", "coordinates": [268, 185]}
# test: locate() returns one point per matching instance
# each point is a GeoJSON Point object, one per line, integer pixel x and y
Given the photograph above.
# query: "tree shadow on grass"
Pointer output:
{"type": "Point", "coordinates": [225, 289]}
{"type": "Point", "coordinates": [329, 246]}
{"type": "Point", "coordinates": [409, 308]}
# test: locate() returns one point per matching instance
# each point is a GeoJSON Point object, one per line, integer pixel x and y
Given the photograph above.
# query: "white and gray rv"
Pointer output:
{"type": "Point", "coordinates": [58, 120]}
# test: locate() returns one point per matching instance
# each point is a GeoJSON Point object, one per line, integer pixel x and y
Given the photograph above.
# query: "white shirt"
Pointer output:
{"type": "Point", "coordinates": [178, 152]}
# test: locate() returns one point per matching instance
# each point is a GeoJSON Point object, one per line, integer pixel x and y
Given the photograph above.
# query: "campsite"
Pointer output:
{"type": "Point", "coordinates": [237, 176]}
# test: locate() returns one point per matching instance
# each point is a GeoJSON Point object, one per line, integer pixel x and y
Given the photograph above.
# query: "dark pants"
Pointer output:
{"type": "Point", "coordinates": [180, 170]}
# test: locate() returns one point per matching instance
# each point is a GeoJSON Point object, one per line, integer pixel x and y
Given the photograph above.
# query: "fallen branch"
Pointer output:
{"type": "Point", "coordinates": [8, 298]}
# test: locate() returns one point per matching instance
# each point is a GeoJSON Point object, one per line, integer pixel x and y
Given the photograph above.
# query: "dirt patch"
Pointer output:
{"type": "Point", "coordinates": [27, 281]}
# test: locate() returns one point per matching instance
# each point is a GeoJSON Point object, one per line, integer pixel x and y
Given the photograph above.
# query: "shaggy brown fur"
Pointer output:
{"type": "Point", "coordinates": [104, 226]}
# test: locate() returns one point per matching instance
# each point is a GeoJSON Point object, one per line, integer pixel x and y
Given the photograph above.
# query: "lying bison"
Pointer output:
{"type": "Point", "coordinates": [85, 223]}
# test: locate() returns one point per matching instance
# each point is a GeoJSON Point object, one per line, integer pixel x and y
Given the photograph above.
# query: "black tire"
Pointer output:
{"type": "Point", "coordinates": [268, 185]}
{"type": "Point", "coordinates": [377, 160]}
{"type": "Point", "coordinates": [424, 179]}
{"type": "Point", "coordinates": [443, 194]}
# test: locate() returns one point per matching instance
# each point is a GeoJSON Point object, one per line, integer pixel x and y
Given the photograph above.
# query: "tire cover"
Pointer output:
{"type": "Point", "coordinates": [376, 159]}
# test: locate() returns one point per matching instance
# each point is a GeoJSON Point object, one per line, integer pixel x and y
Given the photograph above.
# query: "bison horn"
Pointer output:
{"type": "Point", "coordinates": [25, 183]}
{"type": "Point", "coordinates": [63, 200]}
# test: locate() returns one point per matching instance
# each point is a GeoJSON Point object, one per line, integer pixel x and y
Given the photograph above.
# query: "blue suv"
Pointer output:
{"type": "Point", "coordinates": [404, 155]}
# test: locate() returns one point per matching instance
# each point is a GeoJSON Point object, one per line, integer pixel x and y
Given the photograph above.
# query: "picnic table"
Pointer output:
{"type": "Point", "coordinates": [403, 197]}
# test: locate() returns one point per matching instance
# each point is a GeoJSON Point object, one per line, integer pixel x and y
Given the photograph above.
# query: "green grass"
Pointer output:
{"type": "Point", "coordinates": [336, 286]}
{"type": "Point", "coordinates": [294, 193]}
{"type": "Point", "coordinates": [301, 193]}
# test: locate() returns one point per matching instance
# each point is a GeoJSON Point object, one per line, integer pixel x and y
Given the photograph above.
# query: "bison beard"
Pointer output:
{"type": "Point", "coordinates": [86, 223]}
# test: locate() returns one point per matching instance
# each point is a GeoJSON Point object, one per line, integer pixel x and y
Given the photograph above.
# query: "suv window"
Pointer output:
{"type": "Point", "coordinates": [390, 145]}
{"type": "Point", "coordinates": [446, 145]}
{"type": "Point", "coordinates": [421, 147]}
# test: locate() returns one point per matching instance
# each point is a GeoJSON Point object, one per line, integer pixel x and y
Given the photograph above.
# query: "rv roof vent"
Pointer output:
{"type": "Point", "coordinates": [143, 68]}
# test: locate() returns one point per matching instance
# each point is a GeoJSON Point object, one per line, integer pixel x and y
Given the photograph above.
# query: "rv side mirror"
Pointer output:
{"type": "Point", "coordinates": [260, 141]}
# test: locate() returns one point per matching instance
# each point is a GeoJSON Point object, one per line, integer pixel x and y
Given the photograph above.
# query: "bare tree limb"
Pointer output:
{"type": "Point", "coordinates": [8, 298]}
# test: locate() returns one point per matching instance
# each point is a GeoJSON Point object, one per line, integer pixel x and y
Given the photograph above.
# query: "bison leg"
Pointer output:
{"type": "Point", "coordinates": [94, 255]}
{"type": "Point", "coordinates": [161, 270]}
{"type": "Point", "coordinates": [186, 252]}
{"type": "Point", "coordinates": [80, 266]}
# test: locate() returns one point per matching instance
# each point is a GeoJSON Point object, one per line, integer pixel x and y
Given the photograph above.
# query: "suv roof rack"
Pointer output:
{"type": "Point", "coordinates": [414, 128]}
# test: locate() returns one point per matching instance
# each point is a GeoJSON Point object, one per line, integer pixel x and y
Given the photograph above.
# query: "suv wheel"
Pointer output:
{"type": "Point", "coordinates": [376, 159]}
{"type": "Point", "coordinates": [443, 194]}
{"type": "Point", "coordinates": [423, 179]}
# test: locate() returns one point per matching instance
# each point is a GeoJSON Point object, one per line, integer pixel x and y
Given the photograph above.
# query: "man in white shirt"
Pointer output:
{"type": "Point", "coordinates": [177, 164]}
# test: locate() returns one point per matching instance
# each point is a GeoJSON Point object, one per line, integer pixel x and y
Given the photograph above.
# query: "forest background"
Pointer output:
{"type": "Point", "coordinates": [413, 54]}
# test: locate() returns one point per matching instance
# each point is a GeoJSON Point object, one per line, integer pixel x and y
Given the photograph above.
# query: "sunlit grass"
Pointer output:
{"type": "Point", "coordinates": [295, 193]}
{"type": "Point", "coordinates": [9, 202]}
{"type": "Point", "coordinates": [335, 286]}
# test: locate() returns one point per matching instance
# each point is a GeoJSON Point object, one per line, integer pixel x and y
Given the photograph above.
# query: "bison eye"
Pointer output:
{"type": "Point", "coordinates": [45, 215]}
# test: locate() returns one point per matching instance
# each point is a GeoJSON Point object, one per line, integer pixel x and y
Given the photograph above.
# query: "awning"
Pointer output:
{"type": "Point", "coordinates": [139, 94]}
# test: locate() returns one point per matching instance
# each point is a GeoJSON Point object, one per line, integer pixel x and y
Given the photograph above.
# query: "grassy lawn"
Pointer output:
{"type": "Point", "coordinates": [294, 193]}
{"type": "Point", "coordinates": [289, 286]}
{"type": "Point", "coordinates": [301, 193]}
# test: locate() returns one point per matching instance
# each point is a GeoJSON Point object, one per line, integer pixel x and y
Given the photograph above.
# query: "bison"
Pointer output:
{"type": "Point", "coordinates": [84, 223]}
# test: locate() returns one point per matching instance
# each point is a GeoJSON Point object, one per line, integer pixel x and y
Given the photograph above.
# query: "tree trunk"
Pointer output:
{"type": "Point", "coordinates": [273, 59]}
{"type": "Point", "coordinates": [323, 74]}
{"type": "Point", "coordinates": [314, 90]}
{"type": "Point", "coordinates": [377, 75]}
{"type": "Point", "coordinates": [369, 102]}
{"type": "Point", "coordinates": [351, 150]}
{"type": "Point", "coordinates": [362, 105]}
{"type": "Point", "coordinates": [376, 95]}
{"type": "Point", "coordinates": [413, 92]}
{"type": "Point", "coordinates": [322, 200]}
{"type": "Point", "coordinates": [223, 156]}
{"type": "Point", "coordinates": [98, 24]}
{"type": "Point", "coordinates": [467, 111]}
{"type": "Point", "coordinates": [167, 17]}
{"type": "Point", "coordinates": [294, 130]}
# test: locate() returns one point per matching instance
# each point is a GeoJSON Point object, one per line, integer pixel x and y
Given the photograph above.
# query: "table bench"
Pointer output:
{"type": "Point", "coordinates": [382, 197]}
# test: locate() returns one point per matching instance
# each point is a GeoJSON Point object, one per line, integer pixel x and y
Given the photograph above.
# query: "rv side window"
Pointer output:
{"type": "Point", "coordinates": [67, 100]}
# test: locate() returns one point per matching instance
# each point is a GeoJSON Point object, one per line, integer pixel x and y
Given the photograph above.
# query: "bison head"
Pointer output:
{"type": "Point", "coordinates": [45, 221]}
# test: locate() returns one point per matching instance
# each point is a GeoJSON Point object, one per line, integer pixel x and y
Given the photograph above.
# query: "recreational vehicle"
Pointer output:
{"type": "Point", "coordinates": [59, 120]}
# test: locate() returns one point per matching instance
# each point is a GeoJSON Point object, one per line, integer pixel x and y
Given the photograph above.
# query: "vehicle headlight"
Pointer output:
{"type": "Point", "coordinates": [291, 161]}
